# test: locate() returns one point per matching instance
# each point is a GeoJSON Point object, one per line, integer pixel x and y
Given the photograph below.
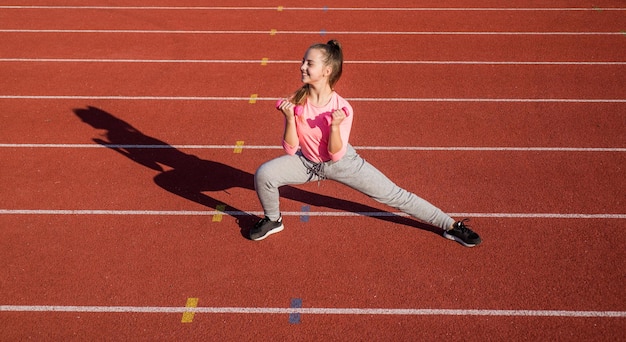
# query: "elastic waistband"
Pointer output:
{"type": "Point", "coordinates": [328, 162]}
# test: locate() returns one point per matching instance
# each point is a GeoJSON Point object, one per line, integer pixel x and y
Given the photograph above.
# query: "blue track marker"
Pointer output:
{"type": "Point", "coordinates": [322, 32]}
{"type": "Point", "coordinates": [294, 318]}
{"type": "Point", "coordinates": [305, 217]}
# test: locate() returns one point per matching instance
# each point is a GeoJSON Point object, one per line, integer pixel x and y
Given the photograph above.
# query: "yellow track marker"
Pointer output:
{"type": "Point", "coordinates": [280, 8]}
{"type": "Point", "coordinates": [253, 98]}
{"type": "Point", "coordinates": [238, 147]}
{"type": "Point", "coordinates": [188, 315]}
{"type": "Point", "coordinates": [218, 217]}
{"type": "Point", "coordinates": [273, 32]}
{"type": "Point", "coordinates": [264, 61]}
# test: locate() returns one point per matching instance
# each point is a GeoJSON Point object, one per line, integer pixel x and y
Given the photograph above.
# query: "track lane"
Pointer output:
{"type": "Point", "coordinates": [492, 182]}
{"type": "Point", "coordinates": [294, 19]}
{"type": "Point", "coordinates": [432, 81]}
{"type": "Point", "coordinates": [163, 326]}
{"type": "Point", "coordinates": [71, 269]}
{"type": "Point", "coordinates": [348, 3]}
{"type": "Point", "coordinates": [283, 47]}
{"type": "Point", "coordinates": [226, 122]}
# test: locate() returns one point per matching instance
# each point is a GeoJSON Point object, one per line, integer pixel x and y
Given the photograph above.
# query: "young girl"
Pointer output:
{"type": "Point", "coordinates": [316, 142]}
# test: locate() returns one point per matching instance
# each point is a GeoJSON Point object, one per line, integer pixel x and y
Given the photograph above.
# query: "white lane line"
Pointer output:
{"type": "Point", "coordinates": [374, 148]}
{"type": "Point", "coordinates": [486, 62]}
{"type": "Point", "coordinates": [486, 100]}
{"type": "Point", "coordinates": [496, 149]}
{"type": "Point", "coordinates": [323, 32]}
{"type": "Point", "coordinates": [314, 311]}
{"type": "Point", "coordinates": [249, 61]}
{"type": "Point", "coordinates": [79, 212]}
{"type": "Point", "coordinates": [325, 8]}
{"type": "Point", "coordinates": [247, 99]}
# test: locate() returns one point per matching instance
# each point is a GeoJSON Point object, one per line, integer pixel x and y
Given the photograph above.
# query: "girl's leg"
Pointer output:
{"type": "Point", "coordinates": [273, 174]}
{"type": "Point", "coordinates": [355, 172]}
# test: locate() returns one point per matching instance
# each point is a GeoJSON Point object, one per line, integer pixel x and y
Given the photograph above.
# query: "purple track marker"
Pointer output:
{"type": "Point", "coordinates": [294, 317]}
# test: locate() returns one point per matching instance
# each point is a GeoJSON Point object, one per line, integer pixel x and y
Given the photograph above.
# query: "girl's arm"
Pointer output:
{"type": "Point", "coordinates": [290, 136]}
{"type": "Point", "coordinates": [335, 141]}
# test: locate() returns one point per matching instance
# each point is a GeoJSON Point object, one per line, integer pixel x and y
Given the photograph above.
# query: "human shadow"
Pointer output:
{"type": "Point", "coordinates": [191, 177]}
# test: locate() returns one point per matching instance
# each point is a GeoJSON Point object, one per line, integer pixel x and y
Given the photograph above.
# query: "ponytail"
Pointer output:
{"type": "Point", "coordinates": [299, 97]}
{"type": "Point", "coordinates": [334, 58]}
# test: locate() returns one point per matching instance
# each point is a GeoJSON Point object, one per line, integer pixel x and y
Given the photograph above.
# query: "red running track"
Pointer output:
{"type": "Point", "coordinates": [521, 132]}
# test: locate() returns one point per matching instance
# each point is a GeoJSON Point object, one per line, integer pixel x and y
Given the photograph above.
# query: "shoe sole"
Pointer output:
{"type": "Point", "coordinates": [454, 238]}
{"type": "Point", "coordinates": [270, 232]}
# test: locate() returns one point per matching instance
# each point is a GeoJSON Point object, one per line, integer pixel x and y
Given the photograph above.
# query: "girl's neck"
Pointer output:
{"type": "Point", "coordinates": [320, 96]}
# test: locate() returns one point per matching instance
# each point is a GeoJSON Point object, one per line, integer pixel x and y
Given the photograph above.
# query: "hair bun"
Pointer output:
{"type": "Point", "coordinates": [334, 43]}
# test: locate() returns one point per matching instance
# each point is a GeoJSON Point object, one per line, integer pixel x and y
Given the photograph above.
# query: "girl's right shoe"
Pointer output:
{"type": "Point", "coordinates": [266, 227]}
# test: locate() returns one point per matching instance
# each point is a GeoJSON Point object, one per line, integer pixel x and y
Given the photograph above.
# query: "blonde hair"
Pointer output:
{"type": "Point", "coordinates": [334, 58]}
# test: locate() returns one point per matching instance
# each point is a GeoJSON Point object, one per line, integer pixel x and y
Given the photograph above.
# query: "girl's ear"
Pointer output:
{"type": "Point", "coordinates": [328, 70]}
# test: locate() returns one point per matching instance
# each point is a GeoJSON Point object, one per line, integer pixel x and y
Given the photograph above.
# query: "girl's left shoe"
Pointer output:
{"type": "Point", "coordinates": [463, 234]}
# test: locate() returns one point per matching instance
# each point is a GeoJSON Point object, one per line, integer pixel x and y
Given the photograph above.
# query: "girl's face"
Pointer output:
{"type": "Point", "coordinates": [314, 71]}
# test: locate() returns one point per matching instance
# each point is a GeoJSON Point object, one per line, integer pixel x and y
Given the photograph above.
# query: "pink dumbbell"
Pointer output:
{"type": "Point", "coordinates": [297, 109]}
{"type": "Point", "coordinates": [329, 117]}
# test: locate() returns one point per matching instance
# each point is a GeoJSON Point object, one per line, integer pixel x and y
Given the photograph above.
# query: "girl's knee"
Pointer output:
{"type": "Point", "coordinates": [265, 175]}
{"type": "Point", "coordinates": [261, 174]}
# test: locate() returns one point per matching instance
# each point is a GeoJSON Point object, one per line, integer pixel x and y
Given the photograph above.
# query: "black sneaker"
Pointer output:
{"type": "Point", "coordinates": [266, 227]}
{"type": "Point", "coordinates": [462, 234]}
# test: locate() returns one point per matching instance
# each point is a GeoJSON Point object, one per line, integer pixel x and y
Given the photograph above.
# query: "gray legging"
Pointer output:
{"type": "Point", "coordinates": [351, 170]}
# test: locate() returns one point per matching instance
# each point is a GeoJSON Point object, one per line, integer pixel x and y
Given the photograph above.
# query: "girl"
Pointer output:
{"type": "Point", "coordinates": [316, 142]}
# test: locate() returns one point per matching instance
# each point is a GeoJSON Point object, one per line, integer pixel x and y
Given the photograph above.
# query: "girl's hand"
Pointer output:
{"type": "Point", "coordinates": [337, 116]}
{"type": "Point", "coordinates": [288, 109]}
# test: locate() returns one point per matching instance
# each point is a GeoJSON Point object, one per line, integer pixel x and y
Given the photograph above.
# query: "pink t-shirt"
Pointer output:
{"type": "Point", "coordinates": [313, 131]}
